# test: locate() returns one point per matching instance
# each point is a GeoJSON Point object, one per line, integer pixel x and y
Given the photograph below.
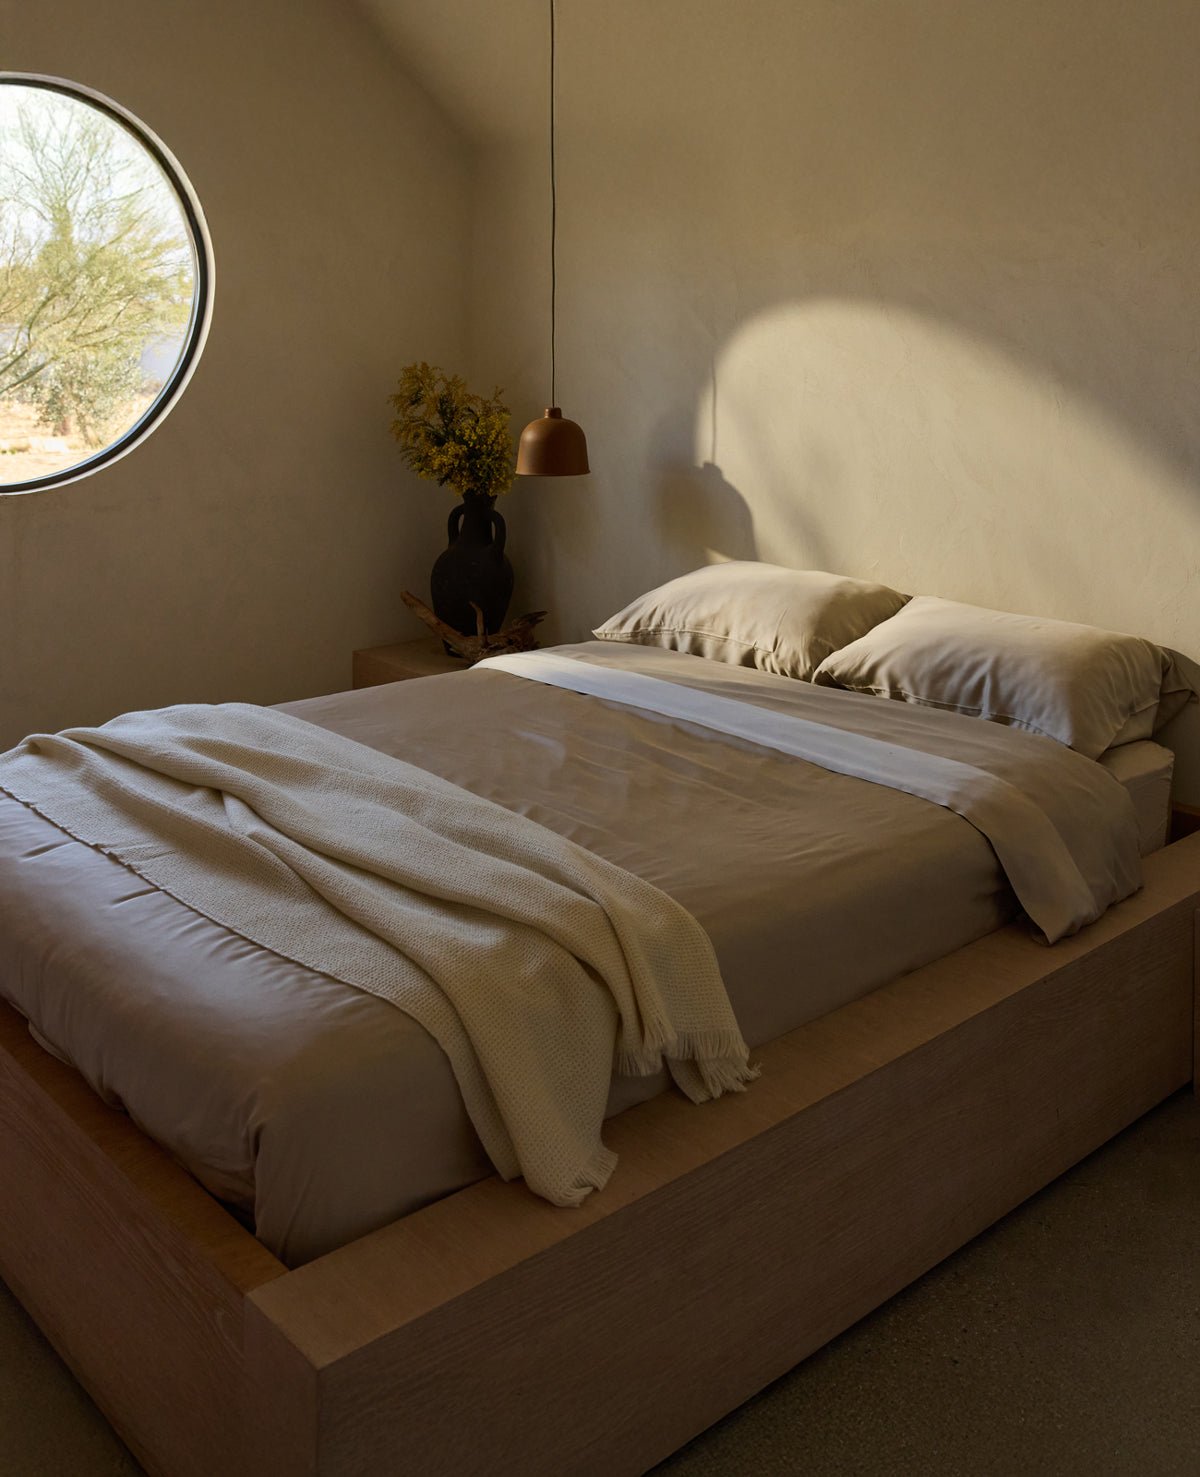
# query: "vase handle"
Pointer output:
{"type": "Point", "coordinates": [454, 522]}
{"type": "Point", "coordinates": [499, 531]}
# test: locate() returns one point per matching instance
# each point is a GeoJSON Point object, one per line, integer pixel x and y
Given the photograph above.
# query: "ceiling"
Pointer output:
{"type": "Point", "coordinates": [484, 62]}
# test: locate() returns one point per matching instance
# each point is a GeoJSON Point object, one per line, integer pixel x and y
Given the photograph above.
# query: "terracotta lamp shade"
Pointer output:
{"type": "Point", "coordinates": [552, 446]}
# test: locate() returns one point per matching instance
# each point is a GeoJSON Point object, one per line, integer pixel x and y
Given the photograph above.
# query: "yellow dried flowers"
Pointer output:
{"type": "Point", "coordinates": [449, 435]}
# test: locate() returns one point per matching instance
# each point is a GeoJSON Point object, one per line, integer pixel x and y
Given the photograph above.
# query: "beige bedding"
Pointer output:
{"type": "Point", "coordinates": [1145, 771]}
{"type": "Point", "coordinates": [532, 962]}
{"type": "Point", "coordinates": [1065, 837]}
{"type": "Point", "coordinates": [322, 1111]}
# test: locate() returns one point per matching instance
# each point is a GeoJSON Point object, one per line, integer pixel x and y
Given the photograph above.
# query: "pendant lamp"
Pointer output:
{"type": "Point", "coordinates": [552, 446]}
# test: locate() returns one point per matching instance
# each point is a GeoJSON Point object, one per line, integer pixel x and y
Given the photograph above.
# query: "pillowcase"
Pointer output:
{"type": "Point", "coordinates": [1088, 688]}
{"type": "Point", "coordinates": [785, 621]}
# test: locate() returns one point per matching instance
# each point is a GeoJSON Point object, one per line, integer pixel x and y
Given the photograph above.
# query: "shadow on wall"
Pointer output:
{"type": "Point", "coordinates": [895, 444]}
{"type": "Point", "coordinates": [1019, 438]}
{"type": "Point", "coordinates": [942, 262]}
{"type": "Point", "coordinates": [907, 292]}
{"type": "Point", "coordinates": [701, 518]}
{"type": "Point", "coordinates": [1042, 491]}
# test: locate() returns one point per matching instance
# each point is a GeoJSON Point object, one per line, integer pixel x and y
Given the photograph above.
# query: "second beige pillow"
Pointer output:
{"type": "Point", "coordinates": [1086, 687]}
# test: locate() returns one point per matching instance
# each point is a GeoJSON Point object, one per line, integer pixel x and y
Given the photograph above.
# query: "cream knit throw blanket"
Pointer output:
{"type": "Point", "coordinates": [536, 965]}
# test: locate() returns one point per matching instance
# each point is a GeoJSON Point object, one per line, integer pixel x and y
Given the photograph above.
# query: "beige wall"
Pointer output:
{"type": "Point", "coordinates": [267, 527]}
{"type": "Point", "coordinates": [907, 289]}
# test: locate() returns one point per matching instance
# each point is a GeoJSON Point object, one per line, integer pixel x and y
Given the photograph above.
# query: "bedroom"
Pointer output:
{"type": "Point", "coordinates": [805, 339]}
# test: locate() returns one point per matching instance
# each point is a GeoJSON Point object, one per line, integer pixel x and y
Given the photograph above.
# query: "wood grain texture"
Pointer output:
{"type": "Point", "coordinates": [493, 1333]}
{"type": "Point", "coordinates": [133, 1272]}
{"type": "Point", "coordinates": [374, 665]}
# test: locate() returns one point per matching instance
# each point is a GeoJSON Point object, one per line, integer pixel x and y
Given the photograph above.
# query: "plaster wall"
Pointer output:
{"type": "Point", "coordinates": [910, 291]}
{"type": "Point", "coordinates": [267, 527]}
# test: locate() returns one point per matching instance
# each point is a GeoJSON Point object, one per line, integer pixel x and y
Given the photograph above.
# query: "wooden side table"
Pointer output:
{"type": "Point", "coordinates": [426, 657]}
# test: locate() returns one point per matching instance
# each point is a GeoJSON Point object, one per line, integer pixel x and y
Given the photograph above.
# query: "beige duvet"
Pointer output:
{"type": "Point", "coordinates": [321, 1111]}
{"type": "Point", "coordinates": [532, 962]}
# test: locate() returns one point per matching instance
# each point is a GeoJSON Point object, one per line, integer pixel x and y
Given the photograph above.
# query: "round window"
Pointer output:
{"type": "Point", "coordinates": [105, 281]}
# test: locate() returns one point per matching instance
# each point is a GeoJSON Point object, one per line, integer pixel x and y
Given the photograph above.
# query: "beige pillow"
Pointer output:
{"type": "Point", "coordinates": [1088, 688]}
{"type": "Point", "coordinates": [779, 620]}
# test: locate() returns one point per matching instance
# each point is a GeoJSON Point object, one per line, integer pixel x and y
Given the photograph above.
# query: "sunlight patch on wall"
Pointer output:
{"type": "Point", "coordinates": [870, 439]}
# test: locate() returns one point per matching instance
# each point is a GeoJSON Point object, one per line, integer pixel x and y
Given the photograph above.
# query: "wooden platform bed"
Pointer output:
{"type": "Point", "coordinates": [493, 1333]}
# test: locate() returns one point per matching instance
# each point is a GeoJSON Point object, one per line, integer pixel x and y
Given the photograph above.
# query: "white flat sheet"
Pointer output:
{"type": "Point", "coordinates": [1066, 839]}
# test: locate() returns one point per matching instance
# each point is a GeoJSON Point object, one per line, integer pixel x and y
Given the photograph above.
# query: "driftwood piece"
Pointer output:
{"type": "Point", "coordinates": [516, 636]}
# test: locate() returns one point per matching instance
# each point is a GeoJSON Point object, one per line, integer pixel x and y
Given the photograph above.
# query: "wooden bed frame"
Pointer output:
{"type": "Point", "coordinates": [494, 1333]}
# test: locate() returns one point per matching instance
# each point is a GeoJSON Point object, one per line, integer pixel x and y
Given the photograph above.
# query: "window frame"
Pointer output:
{"type": "Point", "coordinates": [202, 298]}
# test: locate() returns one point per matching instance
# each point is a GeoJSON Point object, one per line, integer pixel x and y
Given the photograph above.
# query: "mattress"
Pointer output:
{"type": "Point", "coordinates": [318, 1112]}
{"type": "Point", "coordinates": [1145, 770]}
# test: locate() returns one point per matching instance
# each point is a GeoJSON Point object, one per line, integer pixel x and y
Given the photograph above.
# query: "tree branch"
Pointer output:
{"type": "Point", "coordinates": [516, 636]}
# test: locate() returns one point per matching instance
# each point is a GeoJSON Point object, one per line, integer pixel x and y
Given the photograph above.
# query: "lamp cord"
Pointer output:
{"type": "Point", "coordinates": [553, 221]}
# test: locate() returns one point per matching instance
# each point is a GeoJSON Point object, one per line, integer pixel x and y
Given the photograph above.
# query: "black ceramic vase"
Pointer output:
{"type": "Point", "coordinates": [472, 568]}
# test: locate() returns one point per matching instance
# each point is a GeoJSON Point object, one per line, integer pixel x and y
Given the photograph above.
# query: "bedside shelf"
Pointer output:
{"type": "Point", "coordinates": [374, 665]}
